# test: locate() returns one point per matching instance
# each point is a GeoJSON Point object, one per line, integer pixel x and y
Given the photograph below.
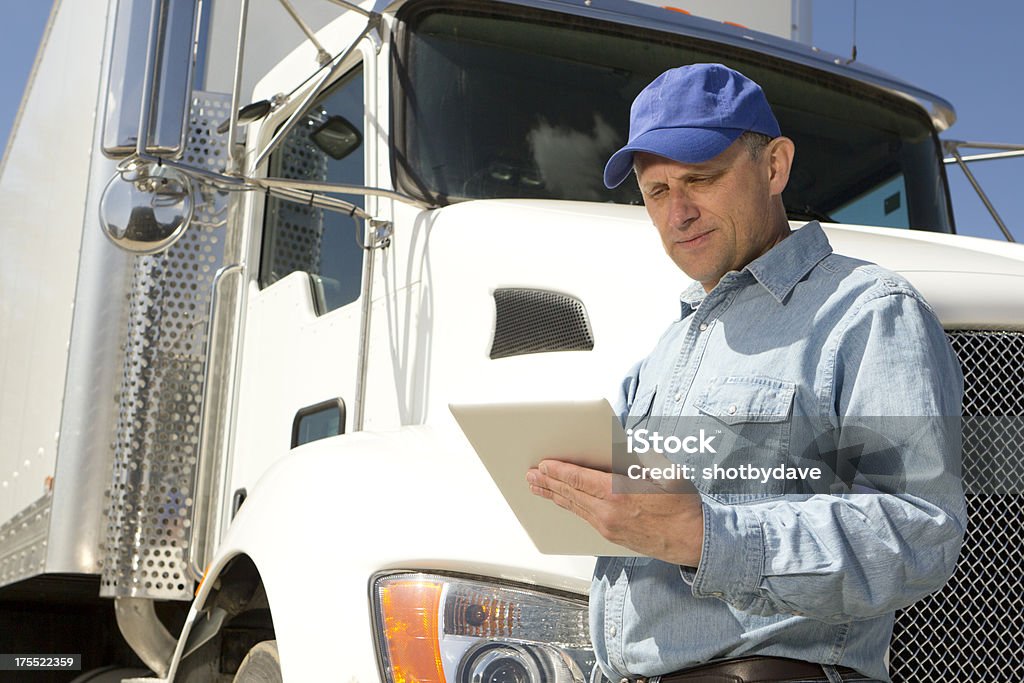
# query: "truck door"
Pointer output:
{"type": "Point", "coordinates": [301, 331]}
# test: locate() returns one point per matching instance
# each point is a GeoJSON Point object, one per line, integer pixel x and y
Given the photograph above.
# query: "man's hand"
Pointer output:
{"type": "Point", "coordinates": [665, 525]}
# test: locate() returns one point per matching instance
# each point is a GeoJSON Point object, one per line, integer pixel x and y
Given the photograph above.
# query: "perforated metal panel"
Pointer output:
{"type": "Point", "coordinates": [536, 320]}
{"type": "Point", "coordinates": [155, 451]}
{"type": "Point", "coordinates": [973, 629]}
{"type": "Point", "coordinates": [299, 229]}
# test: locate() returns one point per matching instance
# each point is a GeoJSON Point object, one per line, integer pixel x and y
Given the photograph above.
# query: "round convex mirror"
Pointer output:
{"type": "Point", "coordinates": [147, 211]}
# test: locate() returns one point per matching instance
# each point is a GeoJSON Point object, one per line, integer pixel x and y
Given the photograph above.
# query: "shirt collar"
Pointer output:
{"type": "Point", "coordinates": [691, 298]}
{"type": "Point", "coordinates": [780, 268]}
{"type": "Point", "coordinates": [790, 260]}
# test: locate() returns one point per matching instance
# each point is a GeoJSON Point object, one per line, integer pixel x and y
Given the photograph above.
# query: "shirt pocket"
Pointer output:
{"type": "Point", "coordinates": [751, 417]}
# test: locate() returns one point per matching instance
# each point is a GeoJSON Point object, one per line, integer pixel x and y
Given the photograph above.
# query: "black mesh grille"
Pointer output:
{"type": "Point", "coordinates": [973, 629]}
{"type": "Point", "coordinates": [535, 320]}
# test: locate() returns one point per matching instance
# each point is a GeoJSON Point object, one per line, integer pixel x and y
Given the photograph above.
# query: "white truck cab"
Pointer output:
{"type": "Point", "coordinates": [277, 301]}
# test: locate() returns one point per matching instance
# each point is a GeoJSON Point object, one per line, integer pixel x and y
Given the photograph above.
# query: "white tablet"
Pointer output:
{"type": "Point", "coordinates": [510, 438]}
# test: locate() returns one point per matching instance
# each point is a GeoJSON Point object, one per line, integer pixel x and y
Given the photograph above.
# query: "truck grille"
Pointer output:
{"type": "Point", "coordinates": [973, 629]}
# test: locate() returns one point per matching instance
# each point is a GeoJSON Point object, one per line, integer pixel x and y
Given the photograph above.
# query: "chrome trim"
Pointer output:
{"type": "Point", "coordinates": [323, 57]}
{"type": "Point", "coordinates": [981, 194]}
{"type": "Point", "coordinates": [376, 235]}
{"type": "Point", "coordinates": [145, 633]}
{"type": "Point", "coordinates": [319, 200]}
{"type": "Point", "coordinates": [163, 63]}
{"type": "Point", "coordinates": [1010, 151]}
{"type": "Point", "coordinates": [300, 109]}
{"type": "Point", "coordinates": [234, 164]}
{"type": "Point", "coordinates": [197, 547]}
{"type": "Point", "coordinates": [146, 113]}
{"type": "Point", "coordinates": [985, 157]}
{"type": "Point", "coordinates": [983, 145]}
{"type": "Point", "coordinates": [223, 376]}
{"type": "Point", "coordinates": [318, 186]}
{"type": "Point", "coordinates": [218, 180]}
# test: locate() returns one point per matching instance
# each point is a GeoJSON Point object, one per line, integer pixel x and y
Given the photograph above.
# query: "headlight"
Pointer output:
{"type": "Point", "coordinates": [441, 629]}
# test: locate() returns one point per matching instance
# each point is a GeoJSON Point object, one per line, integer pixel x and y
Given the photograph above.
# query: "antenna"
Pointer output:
{"type": "Point", "coordinates": [853, 51]}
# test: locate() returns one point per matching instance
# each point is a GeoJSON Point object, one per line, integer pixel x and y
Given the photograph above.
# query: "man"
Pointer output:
{"type": "Point", "coordinates": [777, 334]}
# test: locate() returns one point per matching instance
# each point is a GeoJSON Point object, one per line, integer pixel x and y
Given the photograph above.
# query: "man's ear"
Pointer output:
{"type": "Point", "coordinates": [780, 151]}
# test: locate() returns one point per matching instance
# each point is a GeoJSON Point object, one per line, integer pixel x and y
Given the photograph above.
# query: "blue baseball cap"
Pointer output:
{"type": "Point", "coordinates": [691, 114]}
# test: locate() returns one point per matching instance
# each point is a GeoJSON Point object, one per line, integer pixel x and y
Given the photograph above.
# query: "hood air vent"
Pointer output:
{"type": "Point", "coordinates": [536, 321]}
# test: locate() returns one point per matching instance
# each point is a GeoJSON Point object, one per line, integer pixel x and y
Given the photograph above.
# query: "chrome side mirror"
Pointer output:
{"type": "Point", "coordinates": [149, 88]}
{"type": "Point", "coordinates": [146, 208]}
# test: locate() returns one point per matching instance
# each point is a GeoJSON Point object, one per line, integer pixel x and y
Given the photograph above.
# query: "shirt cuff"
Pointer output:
{"type": "Point", "coordinates": [732, 557]}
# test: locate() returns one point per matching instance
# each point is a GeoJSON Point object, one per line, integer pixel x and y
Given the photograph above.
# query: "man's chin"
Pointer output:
{"type": "Point", "coordinates": [703, 275]}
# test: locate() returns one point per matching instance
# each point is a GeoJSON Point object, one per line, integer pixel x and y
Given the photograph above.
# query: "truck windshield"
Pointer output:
{"type": "Point", "coordinates": [496, 101]}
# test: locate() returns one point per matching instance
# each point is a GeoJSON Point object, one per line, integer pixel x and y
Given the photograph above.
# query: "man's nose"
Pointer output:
{"type": "Point", "coordinates": [682, 210]}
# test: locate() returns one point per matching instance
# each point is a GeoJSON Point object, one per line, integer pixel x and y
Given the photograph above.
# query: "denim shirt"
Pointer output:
{"type": "Point", "coordinates": [800, 334]}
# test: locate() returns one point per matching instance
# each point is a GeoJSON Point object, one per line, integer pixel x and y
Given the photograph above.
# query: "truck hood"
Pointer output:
{"type": "Point", "coordinates": [971, 282]}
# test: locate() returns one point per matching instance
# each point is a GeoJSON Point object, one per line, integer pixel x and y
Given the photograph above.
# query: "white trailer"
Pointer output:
{"type": "Point", "coordinates": [228, 338]}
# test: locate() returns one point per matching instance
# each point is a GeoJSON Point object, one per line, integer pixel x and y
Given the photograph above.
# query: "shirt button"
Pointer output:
{"type": "Point", "coordinates": [678, 397]}
{"type": "Point", "coordinates": [612, 630]}
{"type": "Point", "coordinates": [716, 594]}
{"type": "Point", "coordinates": [732, 410]}
{"type": "Point", "coordinates": [703, 326]}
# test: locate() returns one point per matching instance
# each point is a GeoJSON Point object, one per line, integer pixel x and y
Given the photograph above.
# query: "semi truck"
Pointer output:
{"type": "Point", "coordinates": [250, 253]}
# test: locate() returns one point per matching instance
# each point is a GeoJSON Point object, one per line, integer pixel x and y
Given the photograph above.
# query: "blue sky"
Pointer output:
{"type": "Point", "coordinates": [971, 56]}
{"type": "Point", "coordinates": [20, 33]}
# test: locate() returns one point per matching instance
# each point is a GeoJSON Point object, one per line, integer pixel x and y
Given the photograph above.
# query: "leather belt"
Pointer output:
{"type": "Point", "coordinates": [756, 670]}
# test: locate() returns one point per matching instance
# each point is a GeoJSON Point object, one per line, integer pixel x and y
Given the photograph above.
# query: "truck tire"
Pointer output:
{"type": "Point", "coordinates": [261, 665]}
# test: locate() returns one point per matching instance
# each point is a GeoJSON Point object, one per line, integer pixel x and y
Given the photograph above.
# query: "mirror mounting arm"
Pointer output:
{"type": "Point", "coordinates": [318, 186]}
{"type": "Point", "coordinates": [323, 57]}
{"type": "Point", "coordinates": [953, 147]}
{"type": "Point", "coordinates": [326, 78]}
{"type": "Point", "coordinates": [234, 162]}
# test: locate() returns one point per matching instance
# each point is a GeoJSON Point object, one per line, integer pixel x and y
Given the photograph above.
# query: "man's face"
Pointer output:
{"type": "Point", "coordinates": [719, 215]}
